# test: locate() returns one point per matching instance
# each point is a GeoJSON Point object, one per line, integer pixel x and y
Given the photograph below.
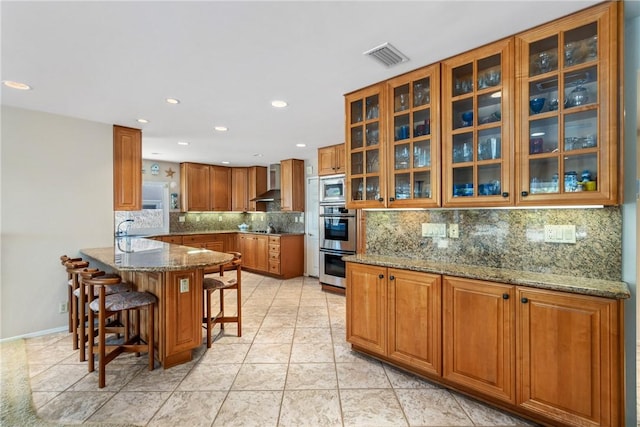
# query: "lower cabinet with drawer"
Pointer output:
{"type": "Point", "coordinates": [552, 356]}
{"type": "Point", "coordinates": [277, 255]}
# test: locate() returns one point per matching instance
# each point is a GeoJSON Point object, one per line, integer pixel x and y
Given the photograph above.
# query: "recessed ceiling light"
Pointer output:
{"type": "Point", "coordinates": [537, 134]}
{"type": "Point", "coordinates": [221, 128]}
{"type": "Point", "coordinates": [142, 121]}
{"type": "Point", "coordinates": [156, 154]}
{"type": "Point", "coordinates": [172, 101]}
{"type": "Point", "coordinates": [301, 145]}
{"type": "Point", "coordinates": [183, 143]}
{"type": "Point", "coordinates": [257, 155]}
{"type": "Point", "coordinates": [16, 85]}
{"type": "Point", "coordinates": [279, 104]}
{"type": "Point", "coordinates": [225, 163]}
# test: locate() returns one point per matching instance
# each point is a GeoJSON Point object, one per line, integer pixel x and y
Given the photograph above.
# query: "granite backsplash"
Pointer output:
{"type": "Point", "coordinates": [505, 238]}
{"type": "Point", "coordinates": [289, 222]}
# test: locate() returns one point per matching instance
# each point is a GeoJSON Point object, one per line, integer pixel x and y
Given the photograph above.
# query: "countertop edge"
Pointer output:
{"type": "Point", "coordinates": [577, 285]}
{"type": "Point", "coordinates": [192, 233]}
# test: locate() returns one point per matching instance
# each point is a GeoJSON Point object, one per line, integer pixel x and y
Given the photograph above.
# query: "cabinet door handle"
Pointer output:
{"type": "Point", "coordinates": [380, 199]}
{"type": "Point", "coordinates": [505, 194]}
{"type": "Point", "coordinates": [392, 199]}
{"type": "Point", "coordinates": [524, 300]}
{"type": "Point", "coordinates": [380, 276]}
{"type": "Point", "coordinates": [524, 193]}
{"type": "Point", "coordinates": [505, 296]}
{"type": "Point", "coordinates": [392, 277]}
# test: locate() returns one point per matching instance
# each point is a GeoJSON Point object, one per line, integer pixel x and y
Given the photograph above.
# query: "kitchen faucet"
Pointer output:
{"type": "Point", "coordinates": [120, 232]}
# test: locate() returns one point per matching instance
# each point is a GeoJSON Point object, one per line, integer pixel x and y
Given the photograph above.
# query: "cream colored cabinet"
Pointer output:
{"type": "Point", "coordinates": [127, 169]}
{"type": "Point", "coordinates": [568, 110]}
{"type": "Point", "coordinates": [292, 185]}
{"type": "Point", "coordinates": [331, 160]}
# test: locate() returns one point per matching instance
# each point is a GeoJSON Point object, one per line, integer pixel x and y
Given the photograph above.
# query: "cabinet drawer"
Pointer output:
{"type": "Point", "coordinates": [274, 256]}
{"type": "Point", "coordinates": [274, 248]}
{"type": "Point", "coordinates": [274, 240]}
{"type": "Point", "coordinates": [274, 267]}
{"type": "Point", "coordinates": [172, 239]}
{"type": "Point", "coordinates": [197, 238]}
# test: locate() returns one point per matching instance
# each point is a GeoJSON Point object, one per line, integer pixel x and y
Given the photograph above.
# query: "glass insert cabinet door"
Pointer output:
{"type": "Point", "coordinates": [477, 127]}
{"type": "Point", "coordinates": [413, 171]}
{"type": "Point", "coordinates": [567, 108]}
{"type": "Point", "coordinates": [364, 145]}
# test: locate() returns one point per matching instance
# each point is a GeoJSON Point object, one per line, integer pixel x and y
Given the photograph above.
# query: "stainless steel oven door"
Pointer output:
{"type": "Point", "coordinates": [338, 232]}
{"type": "Point", "coordinates": [333, 270]}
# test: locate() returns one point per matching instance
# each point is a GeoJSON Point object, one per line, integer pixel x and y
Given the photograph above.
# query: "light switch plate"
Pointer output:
{"type": "Point", "coordinates": [184, 285]}
{"type": "Point", "coordinates": [430, 229]}
{"type": "Point", "coordinates": [560, 233]}
{"type": "Point", "coordinates": [454, 232]}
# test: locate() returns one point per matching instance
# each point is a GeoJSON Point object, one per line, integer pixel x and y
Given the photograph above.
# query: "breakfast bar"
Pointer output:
{"type": "Point", "coordinates": [173, 273]}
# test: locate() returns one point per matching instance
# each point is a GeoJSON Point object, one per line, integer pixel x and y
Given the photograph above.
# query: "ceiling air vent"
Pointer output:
{"type": "Point", "coordinates": [387, 54]}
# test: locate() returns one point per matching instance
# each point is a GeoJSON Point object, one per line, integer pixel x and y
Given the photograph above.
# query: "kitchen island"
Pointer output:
{"type": "Point", "coordinates": [173, 273]}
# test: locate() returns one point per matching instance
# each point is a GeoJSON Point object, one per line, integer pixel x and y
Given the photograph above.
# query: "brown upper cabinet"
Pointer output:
{"type": "Point", "coordinates": [292, 185]}
{"type": "Point", "coordinates": [219, 188]}
{"type": "Point", "coordinates": [529, 120]}
{"type": "Point", "coordinates": [477, 109]}
{"type": "Point", "coordinates": [127, 169]}
{"type": "Point", "coordinates": [567, 110]}
{"type": "Point", "coordinates": [331, 160]}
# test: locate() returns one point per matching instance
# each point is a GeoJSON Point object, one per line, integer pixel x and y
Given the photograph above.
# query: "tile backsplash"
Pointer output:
{"type": "Point", "coordinates": [505, 238]}
{"type": "Point", "coordinates": [290, 222]}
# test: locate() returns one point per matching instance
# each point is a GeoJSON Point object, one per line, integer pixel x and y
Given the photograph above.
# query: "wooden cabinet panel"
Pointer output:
{"type": "Point", "coordinates": [292, 185]}
{"type": "Point", "coordinates": [478, 336]}
{"type": "Point", "coordinates": [257, 185]}
{"type": "Point", "coordinates": [127, 169]}
{"type": "Point", "coordinates": [183, 311]}
{"type": "Point", "coordinates": [331, 160]}
{"type": "Point", "coordinates": [569, 357]}
{"type": "Point", "coordinates": [262, 253]}
{"type": "Point", "coordinates": [240, 190]}
{"type": "Point", "coordinates": [414, 319]}
{"type": "Point", "coordinates": [367, 307]}
{"type": "Point", "coordinates": [194, 183]}
{"type": "Point", "coordinates": [220, 188]}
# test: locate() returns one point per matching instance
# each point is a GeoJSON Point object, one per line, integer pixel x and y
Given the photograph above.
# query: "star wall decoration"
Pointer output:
{"type": "Point", "coordinates": [170, 173]}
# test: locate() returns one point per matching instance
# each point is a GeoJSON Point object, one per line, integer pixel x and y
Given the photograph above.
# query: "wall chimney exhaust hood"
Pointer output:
{"type": "Point", "coordinates": [273, 185]}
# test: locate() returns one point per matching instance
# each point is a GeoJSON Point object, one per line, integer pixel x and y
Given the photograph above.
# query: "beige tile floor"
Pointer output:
{"type": "Point", "coordinates": [291, 367]}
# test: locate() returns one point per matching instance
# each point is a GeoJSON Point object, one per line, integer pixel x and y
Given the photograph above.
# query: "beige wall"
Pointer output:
{"type": "Point", "coordinates": [56, 197]}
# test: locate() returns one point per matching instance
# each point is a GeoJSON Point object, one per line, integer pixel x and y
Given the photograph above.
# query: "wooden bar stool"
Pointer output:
{"type": "Point", "coordinates": [82, 296]}
{"type": "Point", "coordinates": [63, 260]}
{"type": "Point", "coordinates": [73, 270]}
{"type": "Point", "coordinates": [105, 307]}
{"type": "Point", "coordinates": [212, 283]}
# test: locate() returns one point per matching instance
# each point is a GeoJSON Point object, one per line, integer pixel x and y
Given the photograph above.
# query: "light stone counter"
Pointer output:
{"type": "Point", "coordinates": [576, 285]}
{"type": "Point", "coordinates": [146, 255]}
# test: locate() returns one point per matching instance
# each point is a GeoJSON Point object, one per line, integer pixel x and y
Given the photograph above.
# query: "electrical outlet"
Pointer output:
{"type": "Point", "coordinates": [560, 233]}
{"type": "Point", "coordinates": [181, 218]}
{"type": "Point", "coordinates": [454, 233]}
{"type": "Point", "coordinates": [63, 307]}
{"type": "Point", "coordinates": [219, 218]}
{"type": "Point", "coordinates": [434, 230]}
{"type": "Point", "coordinates": [184, 285]}
{"type": "Point", "coordinates": [198, 218]}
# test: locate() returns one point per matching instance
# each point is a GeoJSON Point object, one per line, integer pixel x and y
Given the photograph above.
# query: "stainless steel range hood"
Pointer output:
{"type": "Point", "coordinates": [273, 185]}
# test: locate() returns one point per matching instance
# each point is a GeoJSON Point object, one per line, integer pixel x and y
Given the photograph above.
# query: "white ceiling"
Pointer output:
{"type": "Point", "coordinates": [114, 62]}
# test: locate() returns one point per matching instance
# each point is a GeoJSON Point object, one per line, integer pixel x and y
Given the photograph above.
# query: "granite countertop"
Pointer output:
{"type": "Point", "coordinates": [191, 233]}
{"type": "Point", "coordinates": [577, 285]}
{"type": "Point", "coordinates": [140, 254]}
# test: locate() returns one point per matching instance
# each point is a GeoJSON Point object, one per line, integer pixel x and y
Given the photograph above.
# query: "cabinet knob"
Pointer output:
{"type": "Point", "coordinates": [505, 194]}
{"type": "Point", "coordinates": [380, 199]}
{"type": "Point", "coordinates": [505, 296]}
{"type": "Point", "coordinates": [392, 199]}
{"type": "Point", "coordinates": [392, 277]}
{"type": "Point", "coordinates": [524, 193]}
{"type": "Point", "coordinates": [380, 276]}
{"type": "Point", "coordinates": [524, 300]}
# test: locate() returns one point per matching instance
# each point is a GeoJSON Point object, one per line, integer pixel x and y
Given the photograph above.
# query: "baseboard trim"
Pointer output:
{"type": "Point", "coordinates": [36, 334]}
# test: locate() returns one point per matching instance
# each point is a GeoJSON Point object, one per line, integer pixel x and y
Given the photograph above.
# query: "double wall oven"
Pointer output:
{"type": "Point", "coordinates": [337, 231]}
